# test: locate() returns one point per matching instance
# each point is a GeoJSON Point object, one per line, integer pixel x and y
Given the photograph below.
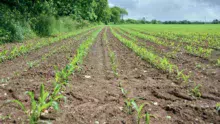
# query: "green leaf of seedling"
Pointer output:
{"type": "Point", "coordinates": [147, 118]}
{"type": "Point", "coordinates": [55, 105]}
{"type": "Point", "coordinates": [46, 106]}
{"type": "Point", "coordinates": [20, 104]}
{"type": "Point", "coordinates": [33, 101]}
{"type": "Point", "coordinates": [140, 108]}
{"type": "Point", "coordinates": [58, 97]}
{"type": "Point", "coordinates": [134, 104]}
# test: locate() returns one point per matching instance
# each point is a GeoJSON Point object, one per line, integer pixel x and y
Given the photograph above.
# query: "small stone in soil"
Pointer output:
{"type": "Point", "coordinates": [121, 108]}
{"type": "Point", "coordinates": [168, 117]}
{"type": "Point", "coordinates": [87, 76]}
{"type": "Point", "coordinates": [155, 103]}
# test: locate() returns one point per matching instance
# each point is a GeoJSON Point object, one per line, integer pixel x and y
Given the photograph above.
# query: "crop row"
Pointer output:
{"type": "Point", "coordinates": [47, 100]}
{"type": "Point", "coordinates": [208, 40]}
{"type": "Point", "coordinates": [149, 47]}
{"type": "Point", "coordinates": [112, 55]}
{"type": "Point", "coordinates": [129, 103]}
{"type": "Point", "coordinates": [197, 51]}
{"type": "Point", "coordinates": [155, 60]}
{"type": "Point", "coordinates": [65, 46]}
{"type": "Point", "coordinates": [25, 48]}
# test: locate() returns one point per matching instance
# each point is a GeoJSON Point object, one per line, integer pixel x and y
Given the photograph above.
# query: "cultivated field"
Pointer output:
{"type": "Point", "coordinates": [123, 74]}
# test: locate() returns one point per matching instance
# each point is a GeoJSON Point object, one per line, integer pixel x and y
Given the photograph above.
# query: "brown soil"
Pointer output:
{"type": "Point", "coordinates": [93, 95]}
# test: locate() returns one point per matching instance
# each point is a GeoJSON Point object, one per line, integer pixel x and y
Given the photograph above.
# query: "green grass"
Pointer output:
{"type": "Point", "coordinates": [207, 28]}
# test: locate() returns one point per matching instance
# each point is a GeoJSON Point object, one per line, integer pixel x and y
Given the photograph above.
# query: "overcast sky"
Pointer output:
{"type": "Point", "coordinates": [170, 9]}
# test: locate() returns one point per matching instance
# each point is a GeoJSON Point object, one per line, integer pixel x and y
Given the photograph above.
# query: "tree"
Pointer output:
{"type": "Point", "coordinates": [154, 21]}
{"type": "Point", "coordinates": [123, 12]}
{"type": "Point", "coordinates": [64, 7]}
{"type": "Point", "coordinates": [115, 15]}
{"type": "Point", "coordinates": [215, 21]}
{"type": "Point", "coordinates": [103, 11]}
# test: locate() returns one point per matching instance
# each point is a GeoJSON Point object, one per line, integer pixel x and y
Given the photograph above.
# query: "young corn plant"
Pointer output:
{"type": "Point", "coordinates": [189, 49]}
{"type": "Point", "coordinates": [147, 118]}
{"type": "Point", "coordinates": [44, 101]}
{"type": "Point", "coordinates": [113, 63]}
{"type": "Point", "coordinates": [3, 55]}
{"type": "Point", "coordinates": [13, 53]}
{"type": "Point", "coordinates": [31, 64]}
{"type": "Point", "coordinates": [128, 105]}
{"type": "Point", "coordinates": [179, 73]}
{"type": "Point", "coordinates": [123, 91]}
{"type": "Point", "coordinates": [218, 108]}
{"type": "Point", "coordinates": [196, 91]}
{"type": "Point", "coordinates": [139, 112]}
{"type": "Point", "coordinates": [62, 76]}
{"type": "Point", "coordinates": [185, 77]}
{"type": "Point", "coordinates": [165, 65]}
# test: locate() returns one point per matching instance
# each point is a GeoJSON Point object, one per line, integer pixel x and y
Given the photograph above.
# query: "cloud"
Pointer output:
{"type": "Point", "coordinates": [210, 2]}
{"type": "Point", "coordinates": [127, 4]}
{"type": "Point", "coordinates": [171, 9]}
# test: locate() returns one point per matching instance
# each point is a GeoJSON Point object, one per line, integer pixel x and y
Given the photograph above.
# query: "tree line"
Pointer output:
{"type": "Point", "coordinates": [154, 21]}
{"type": "Point", "coordinates": [20, 18]}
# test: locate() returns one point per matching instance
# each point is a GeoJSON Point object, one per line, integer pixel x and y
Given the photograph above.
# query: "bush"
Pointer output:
{"type": "Point", "coordinates": [15, 31]}
{"type": "Point", "coordinates": [42, 25]}
{"type": "Point", "coordinates": [16, 27]}
{"type": "Point", "coordinates": [64, 24]}
{"type": "Point", "coordinates": [4, 35]}
{"type": "Point", "coordinates": [49, 25]}
{"type": "Point", "coordinates": [13, 27]}
{"type": "Point", "coordinates": [83, 23]}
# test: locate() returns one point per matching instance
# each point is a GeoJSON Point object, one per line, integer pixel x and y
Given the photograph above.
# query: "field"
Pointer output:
{"type": "Point", "coordinates": [106, 74]}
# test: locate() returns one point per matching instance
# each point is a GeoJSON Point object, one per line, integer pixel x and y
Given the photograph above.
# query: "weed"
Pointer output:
{"type": "Point", "coordinates": [5, 117]}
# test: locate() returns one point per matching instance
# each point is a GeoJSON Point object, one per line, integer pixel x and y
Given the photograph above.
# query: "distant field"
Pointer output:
{"type": "Point", "coordinates": [208, 28]}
